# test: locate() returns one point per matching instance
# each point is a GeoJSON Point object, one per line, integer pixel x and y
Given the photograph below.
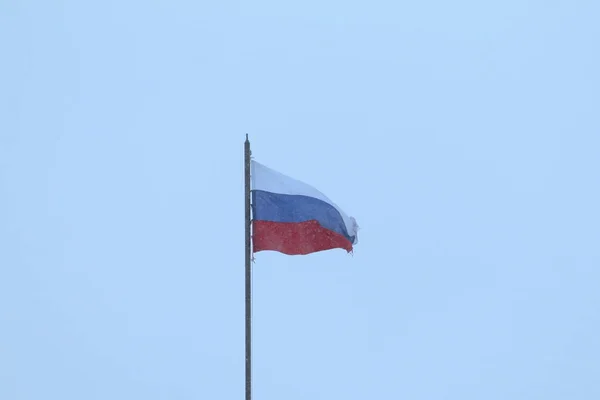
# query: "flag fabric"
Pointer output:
{"type": "Point", "coordinates": [294, 218]}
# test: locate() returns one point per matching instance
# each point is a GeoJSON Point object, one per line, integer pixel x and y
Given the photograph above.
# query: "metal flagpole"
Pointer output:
{"type": "Point", "coordinates": [247, 154]}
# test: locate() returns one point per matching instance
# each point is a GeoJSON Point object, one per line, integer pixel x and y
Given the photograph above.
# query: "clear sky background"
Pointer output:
{"type": "Point", "coordinates": [463, 136]}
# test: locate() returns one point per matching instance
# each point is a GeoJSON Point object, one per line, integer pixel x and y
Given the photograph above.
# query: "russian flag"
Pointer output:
{"type": "Point", "coordinates": [294, 218]}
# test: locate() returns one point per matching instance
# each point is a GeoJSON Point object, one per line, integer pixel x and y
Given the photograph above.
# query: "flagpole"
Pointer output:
{"type": "Point", "coordinates": [247, 154]}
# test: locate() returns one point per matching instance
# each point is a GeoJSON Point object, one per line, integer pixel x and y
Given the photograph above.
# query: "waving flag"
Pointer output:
{"type": "Point", "coordinates": [294, 218]}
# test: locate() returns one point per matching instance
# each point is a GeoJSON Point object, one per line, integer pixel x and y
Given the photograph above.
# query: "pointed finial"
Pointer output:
{"type": "Point", "coordinates": [246, 137]}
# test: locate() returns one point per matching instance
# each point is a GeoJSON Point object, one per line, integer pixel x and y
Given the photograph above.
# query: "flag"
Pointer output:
{"type": "Point", "coordinates": [294, 218]}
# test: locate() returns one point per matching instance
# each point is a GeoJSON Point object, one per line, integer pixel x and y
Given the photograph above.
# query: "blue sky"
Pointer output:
{"type": "Point", "coordinates": [463, 136]}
